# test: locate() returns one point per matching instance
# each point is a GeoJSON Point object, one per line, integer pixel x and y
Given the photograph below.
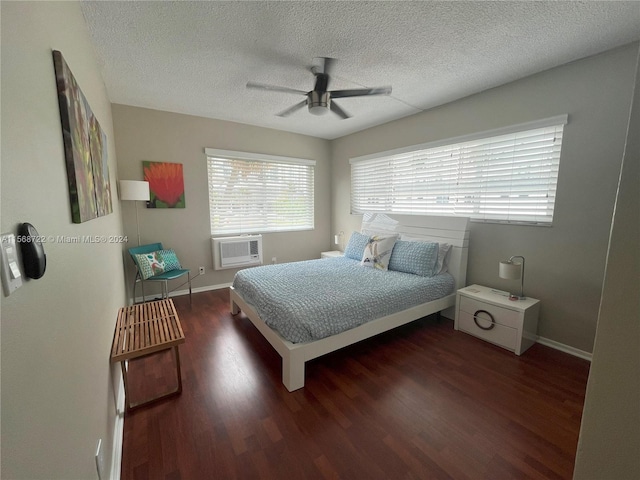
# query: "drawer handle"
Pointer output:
{"type": "Point", "coordinates": [475, 319]}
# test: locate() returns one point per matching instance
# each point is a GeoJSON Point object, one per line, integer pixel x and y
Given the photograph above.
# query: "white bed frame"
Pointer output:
{"type": "Point", "coordinates": [452, 230]}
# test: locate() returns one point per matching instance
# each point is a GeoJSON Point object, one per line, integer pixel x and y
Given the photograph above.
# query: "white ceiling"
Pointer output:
{"type": "Point", "coordinates": [196, 57]}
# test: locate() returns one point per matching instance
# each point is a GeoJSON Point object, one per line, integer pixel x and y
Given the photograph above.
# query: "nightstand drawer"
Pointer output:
{"type": "Point", "coordinates": [501, 315]}
{"type": "Point", "coordinates": [499, 334]}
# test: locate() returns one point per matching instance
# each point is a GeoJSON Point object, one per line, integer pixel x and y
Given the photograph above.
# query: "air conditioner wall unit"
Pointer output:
{"type": "Point", "coordinates": [236, 252]}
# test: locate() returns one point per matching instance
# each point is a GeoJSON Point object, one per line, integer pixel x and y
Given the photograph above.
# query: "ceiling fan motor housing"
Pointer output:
{"type": "Point", "coordinates": [319, 102]}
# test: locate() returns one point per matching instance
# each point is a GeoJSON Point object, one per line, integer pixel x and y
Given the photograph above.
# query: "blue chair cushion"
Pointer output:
{"type": "Point", "coordinates": [169, 275]}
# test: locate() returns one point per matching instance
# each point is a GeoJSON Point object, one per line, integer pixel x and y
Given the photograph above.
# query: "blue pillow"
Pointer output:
{"type": "Point", "coordinates": [419, 258]}
{"type": "Point", "coordinates": [171, 261]}
{"type": "Point", "coordinates": [355, 247]}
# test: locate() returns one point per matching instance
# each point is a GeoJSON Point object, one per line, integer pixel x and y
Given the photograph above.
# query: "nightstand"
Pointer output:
{"type": "Point", "coordinates": [490, 315]}
{"type": "Point", "coordinates": [331, 254]}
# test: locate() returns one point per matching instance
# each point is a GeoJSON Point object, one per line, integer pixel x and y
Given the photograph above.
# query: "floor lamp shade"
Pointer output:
{"type": "Point", "coordinates": [134, 190]}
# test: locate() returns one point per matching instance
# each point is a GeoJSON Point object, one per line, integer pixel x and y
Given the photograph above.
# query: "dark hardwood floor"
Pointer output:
{"type": "Point", "coordinates": [420, 402]}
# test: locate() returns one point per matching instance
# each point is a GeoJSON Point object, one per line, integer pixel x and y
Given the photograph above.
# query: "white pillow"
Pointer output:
{"type": "Point", "coordinates": [378, 232]}
{"type": "Point", "coordinates": [378, 251]}
{"type": "Point", "coordinates": [442, 264]}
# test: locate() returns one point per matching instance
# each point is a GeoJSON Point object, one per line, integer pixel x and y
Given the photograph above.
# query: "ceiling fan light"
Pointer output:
{"type": "Point", "coordinates": [318, 103]}
{"type": "Point", "coordinates": [318, 109]}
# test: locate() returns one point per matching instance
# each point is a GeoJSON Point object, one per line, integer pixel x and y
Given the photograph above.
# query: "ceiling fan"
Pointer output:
{"type": "Point", "coordinates": [320, 100]}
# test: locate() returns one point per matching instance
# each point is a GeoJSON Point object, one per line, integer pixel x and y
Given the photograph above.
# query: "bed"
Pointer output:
{"type": "Point", "coordinates": [334, 306]}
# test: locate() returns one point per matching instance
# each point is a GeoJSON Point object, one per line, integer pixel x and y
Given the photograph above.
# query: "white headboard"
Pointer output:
{"type": "Point", "coordinates": [452, 230]}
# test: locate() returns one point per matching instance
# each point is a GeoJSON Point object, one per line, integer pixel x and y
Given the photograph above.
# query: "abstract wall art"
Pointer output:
{"type": "Point", "coordinates": [85, 148]}
{"type": "Point", "coordinates": [166, 184]}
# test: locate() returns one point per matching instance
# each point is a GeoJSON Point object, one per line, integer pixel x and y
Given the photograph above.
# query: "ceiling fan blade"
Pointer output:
{"type": "Point", "coordinates": [290, 110]}
{"type": "Point", "coordinates": [274, 88]}
{"type": "Point", "coordinates": [358, 92]}
{"type": "Point", "coordinates": [339, 111]}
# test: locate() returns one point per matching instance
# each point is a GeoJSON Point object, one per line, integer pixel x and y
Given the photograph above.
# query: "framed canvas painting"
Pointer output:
{"type": "Point", "coordinates": [166, 184]}
{"type": "Point", "coordinates": [85, 148]}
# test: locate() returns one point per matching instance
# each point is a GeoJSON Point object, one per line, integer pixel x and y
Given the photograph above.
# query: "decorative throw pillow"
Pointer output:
{"type": "Point", "coordinates": [150, 264]}
{"type": "Point", "coordinates": [355, 247]}
{"type": "Point", "coordinates": [378, 250]}
{"type": "Point", "coordinates": [418, 258]}
{"type": "Point", "coordinates": [170, 258]}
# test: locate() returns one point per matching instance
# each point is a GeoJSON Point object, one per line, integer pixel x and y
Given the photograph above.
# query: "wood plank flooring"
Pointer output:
{"type": "Point", "coordinates": [420, 402]}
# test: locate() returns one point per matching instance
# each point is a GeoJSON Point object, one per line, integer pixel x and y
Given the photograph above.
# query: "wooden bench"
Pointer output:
{"type": "Point", "coordinates": [142, 330]}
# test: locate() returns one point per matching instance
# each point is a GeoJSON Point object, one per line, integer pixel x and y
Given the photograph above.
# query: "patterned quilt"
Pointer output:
{"type": "Point", "coordinates": [313, 299]}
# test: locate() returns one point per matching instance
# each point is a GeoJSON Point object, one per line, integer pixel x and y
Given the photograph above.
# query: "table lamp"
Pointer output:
{"type": "Point", "coordinates": [511, 270]}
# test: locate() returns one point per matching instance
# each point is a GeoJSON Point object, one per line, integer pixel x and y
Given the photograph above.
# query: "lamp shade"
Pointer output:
{"type": "Point", "coordinates": [134, 190]}
{"type": "Point", "coordinates": [510, 270]}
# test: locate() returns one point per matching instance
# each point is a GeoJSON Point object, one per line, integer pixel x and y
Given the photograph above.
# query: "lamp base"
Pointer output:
{"type": "Point", "coordinates": [514, 297]}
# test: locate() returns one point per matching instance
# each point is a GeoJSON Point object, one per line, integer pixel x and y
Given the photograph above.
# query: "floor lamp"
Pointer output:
{"type": "Point", "coordinates": [135, 190]}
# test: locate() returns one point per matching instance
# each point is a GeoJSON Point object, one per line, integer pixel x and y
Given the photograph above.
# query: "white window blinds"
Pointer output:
{"type": "Point", "coordinates": [251, 193]}
{"type": "Point", "coordinates": [510, 177]}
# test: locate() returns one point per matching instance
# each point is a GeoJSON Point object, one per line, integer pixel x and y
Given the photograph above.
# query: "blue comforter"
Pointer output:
{"type": "Point", "coordinates": [314, 299]}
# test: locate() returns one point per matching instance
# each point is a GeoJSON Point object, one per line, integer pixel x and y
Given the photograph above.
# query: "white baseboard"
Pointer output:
{"type": "Point", "coordinates": [200, 289]}
{"type": "Point", "coordinates": [178, 293]}
{"type": "Point", "coordinates": [118, 433]}
{"type": "Point", "coordinates": [565, 348]}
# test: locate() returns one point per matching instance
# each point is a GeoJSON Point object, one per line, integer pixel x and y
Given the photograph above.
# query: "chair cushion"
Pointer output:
{"type": "Point", "coordinates": [173, 274]}
{"type": "Point", "coordinates": [155, 263]}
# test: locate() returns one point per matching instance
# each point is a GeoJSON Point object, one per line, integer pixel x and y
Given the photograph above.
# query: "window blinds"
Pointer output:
{"type": "Point", "coordinates": [251, 193]}
{"type": "Point", "coordinates": [509, 178]}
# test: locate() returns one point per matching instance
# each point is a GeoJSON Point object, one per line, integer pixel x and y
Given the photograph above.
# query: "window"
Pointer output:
{"type": "Point", "coordinates": [250, 193]}
{"type": "Point", "coordinates": [506, 175]}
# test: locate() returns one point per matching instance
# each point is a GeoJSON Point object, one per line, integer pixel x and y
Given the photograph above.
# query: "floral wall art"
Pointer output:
{"type": "Point", "coordinates": [85, 148]}
{"type": "Point", "coordinates": [166, 184]}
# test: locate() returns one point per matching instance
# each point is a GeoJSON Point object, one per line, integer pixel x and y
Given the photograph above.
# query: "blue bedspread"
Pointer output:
{"type": "Point", "coordinates": [314, 299]}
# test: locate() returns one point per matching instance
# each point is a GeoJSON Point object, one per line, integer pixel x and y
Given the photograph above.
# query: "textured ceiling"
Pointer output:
{"type": "Point", "coordinates": [196, 57]}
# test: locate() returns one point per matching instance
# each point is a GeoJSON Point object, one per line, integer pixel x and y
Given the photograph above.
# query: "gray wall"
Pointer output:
{"type": "Point", "coordinates": [57, 394]}
{"type": "Point", "coordinates": [609, 445]}
{"type": "Point", "coordinates": [564, 263]}
{"type": "Point", "coordinates": [143, 134]}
